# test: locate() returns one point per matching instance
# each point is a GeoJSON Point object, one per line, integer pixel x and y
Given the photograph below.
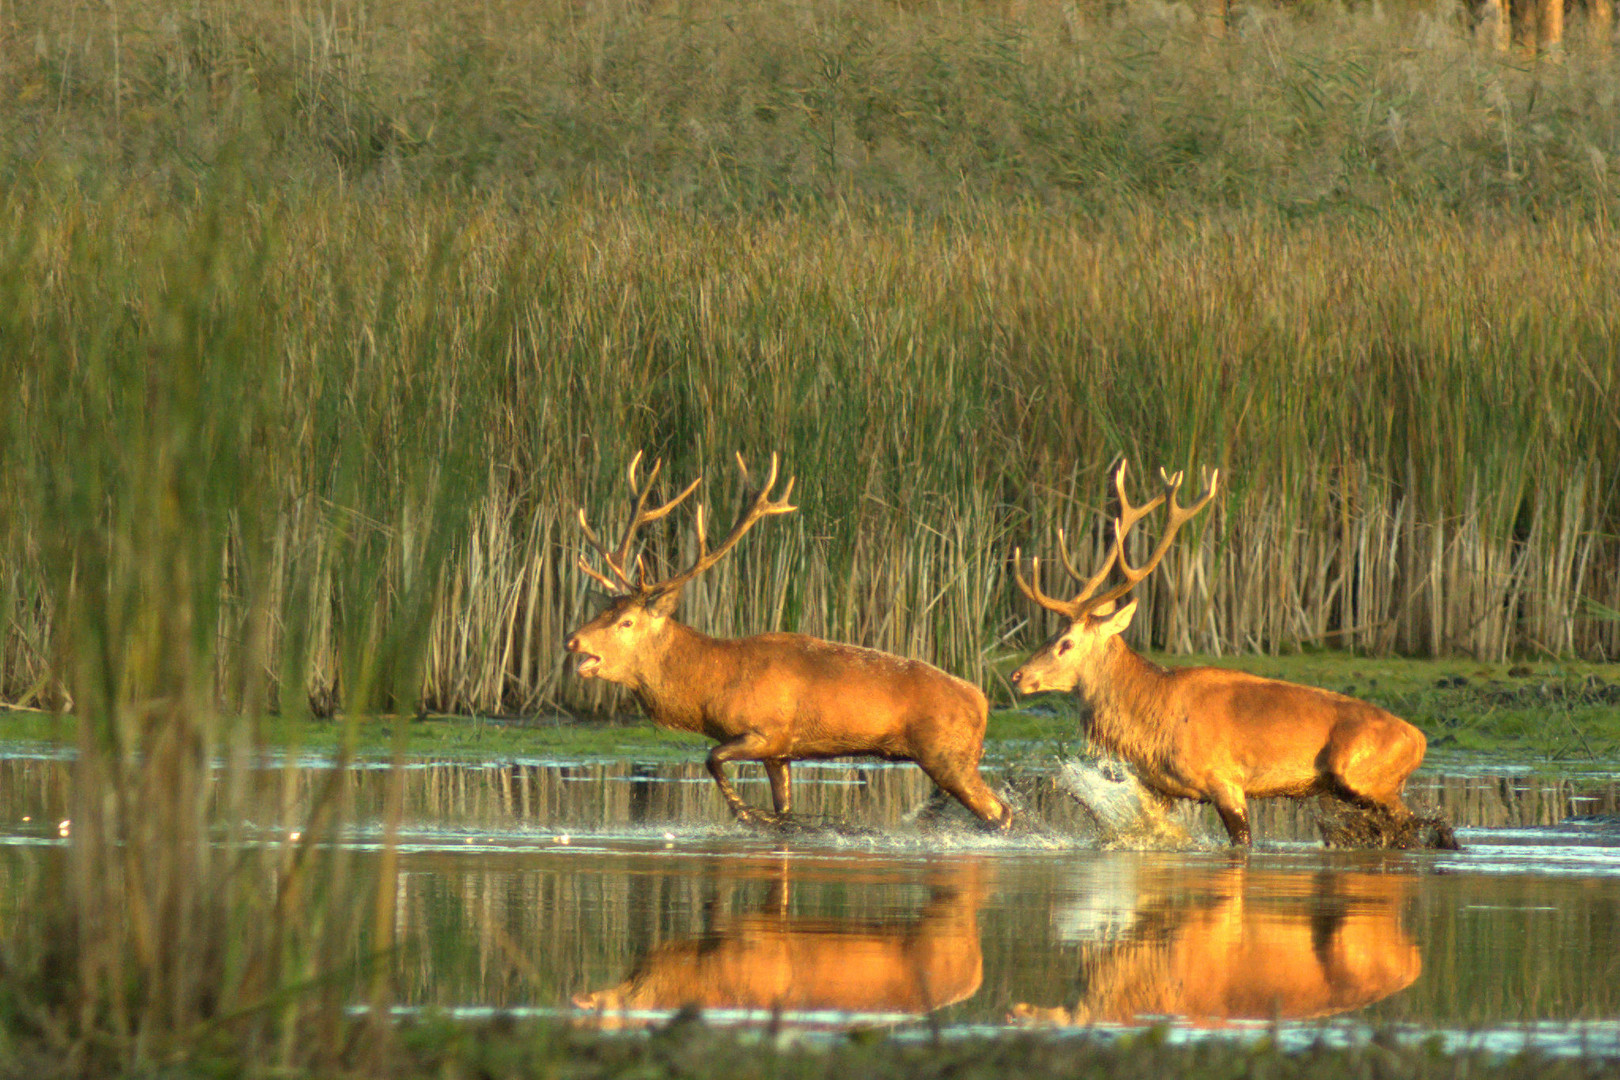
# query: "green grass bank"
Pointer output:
{"type": "Point", "coordinates": [1550, 716]}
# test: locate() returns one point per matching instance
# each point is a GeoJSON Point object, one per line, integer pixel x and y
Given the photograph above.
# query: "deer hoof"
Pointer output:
{"type": "Point", "coordinates": [748, 815]}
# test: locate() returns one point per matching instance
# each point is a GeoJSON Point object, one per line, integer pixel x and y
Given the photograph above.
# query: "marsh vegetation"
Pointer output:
{"type": "Point", "coordinates": [320, 320]}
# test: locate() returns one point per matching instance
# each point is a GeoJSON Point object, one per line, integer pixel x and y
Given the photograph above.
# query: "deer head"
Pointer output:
{"type": "Point", "coordinates": [620, 643]}
{"type": "Point", "coordinates": [1067, 660]}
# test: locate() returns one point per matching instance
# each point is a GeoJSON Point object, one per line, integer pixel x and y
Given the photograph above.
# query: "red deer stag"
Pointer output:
{"type": "Point", "coordinates": [773, 698]}
{"type": "Point", "coordinates": [1206, 733]}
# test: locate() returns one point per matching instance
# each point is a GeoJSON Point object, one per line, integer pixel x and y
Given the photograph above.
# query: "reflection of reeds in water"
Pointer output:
{"type": "Point", "coordinates": [499, 798]}
{"type": "Point", "coordinates": [534, 922]}
{"type": "Point", "coordinates": [1506, 948]}
{"type": "Point", "coordinates": [537, 929]}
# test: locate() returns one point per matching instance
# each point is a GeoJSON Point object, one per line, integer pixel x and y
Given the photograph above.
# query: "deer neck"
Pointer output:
{"type": "Point", "coordinates": [678, 675]}
{"type": "Point", "coordinates": [1127, 695]}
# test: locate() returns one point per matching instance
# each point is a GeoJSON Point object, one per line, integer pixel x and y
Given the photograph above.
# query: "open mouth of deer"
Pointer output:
{"type": "Point", "coordinates": [588, 663]}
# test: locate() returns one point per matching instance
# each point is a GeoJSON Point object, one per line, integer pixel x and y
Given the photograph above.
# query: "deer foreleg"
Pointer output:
{"type": "Point", "coordinates": [781, 784]}
{"type": "Point", "coordinates": [749, 747]}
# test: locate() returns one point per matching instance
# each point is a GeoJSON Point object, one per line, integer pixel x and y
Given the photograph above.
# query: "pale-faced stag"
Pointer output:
{"type": "Point", "coordinates": [772, 698]}
{"type": "Point", "coordinates": [1206, 733]}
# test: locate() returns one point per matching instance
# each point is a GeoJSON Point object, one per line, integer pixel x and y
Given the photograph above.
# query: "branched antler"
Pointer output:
{"type": "Point", "coordinates": [1083, 603]}
{"type": "Point", "coordinates": [639, 516]}
{"type": "Point", "coordinates": [761, 507]}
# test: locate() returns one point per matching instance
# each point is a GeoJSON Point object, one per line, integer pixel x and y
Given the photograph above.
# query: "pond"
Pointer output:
{"type": "Point", "coordinates": [613, 893]}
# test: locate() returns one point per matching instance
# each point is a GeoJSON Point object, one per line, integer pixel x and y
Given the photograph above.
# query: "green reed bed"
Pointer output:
{"type": "Point", "coordinates": [720, 104]}
{"type": "Point", "coordinates": [1416, 419]}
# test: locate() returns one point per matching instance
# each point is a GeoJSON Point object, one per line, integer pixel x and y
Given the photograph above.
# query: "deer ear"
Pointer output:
{"type": "Point", "coordinates": [1116, 622]}
{"type": "Point", "coordinates": [664, 602]}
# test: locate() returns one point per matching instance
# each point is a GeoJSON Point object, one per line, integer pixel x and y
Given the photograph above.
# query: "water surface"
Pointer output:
{"type": "Point", "coordinates": [614, 893]}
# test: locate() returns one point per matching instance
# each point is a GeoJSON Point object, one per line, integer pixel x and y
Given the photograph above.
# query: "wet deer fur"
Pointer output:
{"type": "Point", "coordinates": [1206, 733]}
{"type": "Point", "coordinates": [773, 698]}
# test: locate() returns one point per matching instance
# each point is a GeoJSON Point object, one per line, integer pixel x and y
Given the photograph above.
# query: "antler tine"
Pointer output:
{"type": "Point", "coordinates": [1033, 591]}
{"type": "Point", "coordinates": [606, 584]}
{"type": "Point", "coordinates": [641, 515]}
{"type": "Point", "coordinates": [762, 506]}
{"type": "Point", "coordinates": [1084, 602]}
{"type": "Point", "coordinates": [1129, 515]}
{"type": "Point", "coordinates": [1087, 585]}
{"type": "Point", "coordinates": [1179, 516]}
{"type": "Point", "coordinates": [624, 583]}
{"type": "Point", "coordinates": [639, 493]}
{"type": "Point", "coordinates": [615, 559]}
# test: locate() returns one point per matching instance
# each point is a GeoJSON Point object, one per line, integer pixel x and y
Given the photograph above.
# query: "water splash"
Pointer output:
{"type": "Point", "coordinates": [1126, 813]}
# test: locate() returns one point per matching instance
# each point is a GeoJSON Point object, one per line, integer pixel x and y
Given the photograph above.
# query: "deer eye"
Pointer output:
{"type": "Point", "coordinates": [1064, 646]}
{"type": "Point", "coordinates": [625, 623]}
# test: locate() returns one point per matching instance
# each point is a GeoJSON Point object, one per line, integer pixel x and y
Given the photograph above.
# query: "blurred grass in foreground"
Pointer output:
{"type": "Point", "coordinates": [187, 566]}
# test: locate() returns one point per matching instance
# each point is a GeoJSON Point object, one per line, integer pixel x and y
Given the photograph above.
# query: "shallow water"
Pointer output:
{"type": "Point", "coordinates": [614, 893]}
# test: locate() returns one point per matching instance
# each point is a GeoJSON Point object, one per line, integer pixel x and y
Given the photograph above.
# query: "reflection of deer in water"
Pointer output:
{"type": "Point", "coordinates": [770, 959]}
{"type": "Point", "coordinates": [1234, 946]}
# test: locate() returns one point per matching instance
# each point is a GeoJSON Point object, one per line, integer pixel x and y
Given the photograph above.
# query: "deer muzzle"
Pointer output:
{"type": "Point", "coordinates": [588, 662]}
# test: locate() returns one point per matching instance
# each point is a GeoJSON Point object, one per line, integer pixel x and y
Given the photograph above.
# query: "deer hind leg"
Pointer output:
{"type": "Point", "coordinates": [1374, 778]}
{"type": "Point", "coordinates": [1233, 807]}
{"type": "Point", "coordinates": [1372, 781]}
{"type": "Point", "coordinates": [747, 747]}
{"type": "Point", "coordinates": [776, 769]}
{"type": "Point", "coordinates": [964, 782]}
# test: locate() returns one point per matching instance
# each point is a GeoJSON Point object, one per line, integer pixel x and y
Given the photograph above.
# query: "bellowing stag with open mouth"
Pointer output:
{"type": "Point", "coordinates": [773, 698]}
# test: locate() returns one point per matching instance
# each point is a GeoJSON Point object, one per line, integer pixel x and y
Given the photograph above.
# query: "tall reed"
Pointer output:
{"type": "Point", "coordinates": [724, 105]}
{"type": "Point", "coordinates": [1416, 418]}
